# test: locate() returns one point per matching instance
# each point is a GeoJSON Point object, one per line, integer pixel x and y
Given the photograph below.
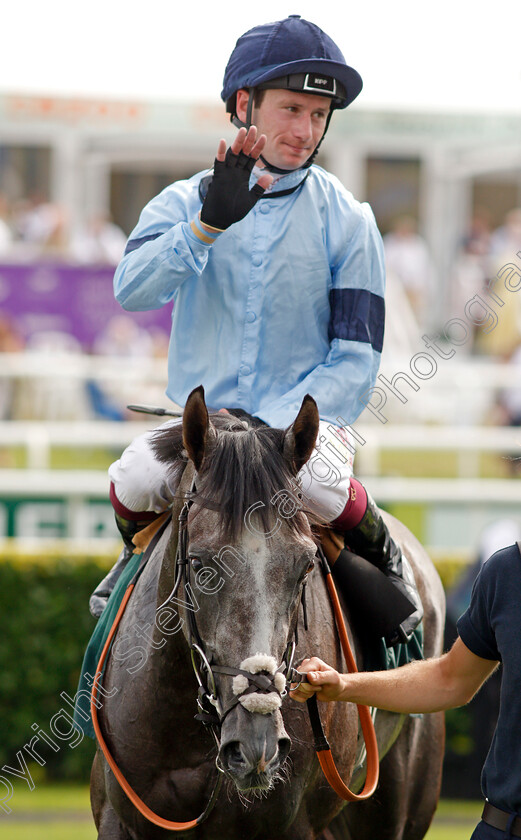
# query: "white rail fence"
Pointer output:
{"type": "Point", "coordinates": [457, 391]}
{"type": "Point", "coordinates": [468, 443]}
{"type": "Point", "coordinates": [38, 438]}
{"type": "Point", "coordinates": [446, 414]}
{"type": "Point", "coordinates": [93, 484]}
{"type": "Point", "coordinates": [74, 503]}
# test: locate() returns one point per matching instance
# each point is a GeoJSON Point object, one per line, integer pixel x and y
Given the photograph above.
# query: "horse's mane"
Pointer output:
{"type": "Point", "coordinates": [245, 466]}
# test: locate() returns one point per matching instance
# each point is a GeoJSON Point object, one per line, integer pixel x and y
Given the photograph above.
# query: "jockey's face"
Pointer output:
{"type": "Point", "coordinates": [293, 123]}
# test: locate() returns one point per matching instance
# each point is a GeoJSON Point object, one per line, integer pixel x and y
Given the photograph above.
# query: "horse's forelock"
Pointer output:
{"type": "Point", "coordinates": [244, 467]}
{"type": "Point", "coordinates": [167, 442]}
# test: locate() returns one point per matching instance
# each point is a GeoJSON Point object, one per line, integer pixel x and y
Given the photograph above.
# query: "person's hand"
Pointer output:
{"type": "Point", "coordinates": [249, 144]}
{"type": "Point", "coordinates": [324, 681]}
{"type": "Point", "coordinates": [229, 198]}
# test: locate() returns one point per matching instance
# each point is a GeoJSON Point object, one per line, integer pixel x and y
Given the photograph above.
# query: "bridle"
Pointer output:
{"type": "Point", "coordinates": [210, 713]}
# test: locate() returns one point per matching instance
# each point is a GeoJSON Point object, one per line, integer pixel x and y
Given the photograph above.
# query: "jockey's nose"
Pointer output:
{"type": "Point", "coordinates": [303, 128]}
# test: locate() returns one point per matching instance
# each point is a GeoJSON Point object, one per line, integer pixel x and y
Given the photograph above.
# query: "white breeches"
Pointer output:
{"type": "Point", "coordinates": [141, 482]}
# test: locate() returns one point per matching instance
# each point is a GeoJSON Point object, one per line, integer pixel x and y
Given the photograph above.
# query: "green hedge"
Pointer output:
{"type": "Point", "coordinates": [45, 628]}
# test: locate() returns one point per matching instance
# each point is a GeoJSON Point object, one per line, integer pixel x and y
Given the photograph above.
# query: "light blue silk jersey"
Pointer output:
{"type": "Point", "coordinates": [286, 302]}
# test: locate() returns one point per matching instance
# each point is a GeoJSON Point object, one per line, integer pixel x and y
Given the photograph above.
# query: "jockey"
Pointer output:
{"type": "Point", "coordinates": [277, 277]}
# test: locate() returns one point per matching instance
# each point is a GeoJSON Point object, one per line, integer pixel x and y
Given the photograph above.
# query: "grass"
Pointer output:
{"type": "Point", "coordinates": [447, 832]}
{"type": "Point", "coordinates": [439, 464]}
{"type": "Point", "coordinates": [49, 831]}
{"type": "Point", "coordinates": [49, 812]}
{"type": "Point", "coordinates": [62, 458]}
{"type": "Point", "coordinates": [58, 812]}
{"type": "Point", "coordinates": [50, 797]}
{"type": "Point", "coordinates": [455, 820]}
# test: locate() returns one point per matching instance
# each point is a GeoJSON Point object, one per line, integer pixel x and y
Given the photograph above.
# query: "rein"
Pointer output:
{"type": "Point", "coordinates": [138, 803]}
{"type": "Point", "coordinates": [322, 747]}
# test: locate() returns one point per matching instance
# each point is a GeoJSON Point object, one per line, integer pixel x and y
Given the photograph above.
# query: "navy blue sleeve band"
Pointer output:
{"type": "Point", "coordinates": [134, 244]}
{"type": "Point", "coordinates": [357, 315]}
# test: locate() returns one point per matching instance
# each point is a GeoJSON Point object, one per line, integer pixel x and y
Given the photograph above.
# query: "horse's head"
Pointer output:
{"type": "Point", "coordinates": [249, 548]}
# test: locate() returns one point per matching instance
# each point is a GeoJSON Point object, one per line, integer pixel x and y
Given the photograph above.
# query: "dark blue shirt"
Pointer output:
{"type": "Point", "coordinates": [491, 628]}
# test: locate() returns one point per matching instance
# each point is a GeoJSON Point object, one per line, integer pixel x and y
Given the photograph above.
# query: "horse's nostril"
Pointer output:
{"type": "Point", "coordinates": [233, 756]}
{"type": "Point", "coordinates": [237, 758]}
{"type": "Point", "coordinates": [284, 748]}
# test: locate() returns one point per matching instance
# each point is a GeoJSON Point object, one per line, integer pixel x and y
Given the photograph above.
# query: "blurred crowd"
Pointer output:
{"type": "Point", "coordinates": [413, 296]}
{"type": "Point", "coordinates": [33, 227]}
{"type": "Point", "coordinates": [418, 300]}
{"type": "Point", "coordinates": [483, 251]}
{"type": "Point", "coordinates": [55, 388]}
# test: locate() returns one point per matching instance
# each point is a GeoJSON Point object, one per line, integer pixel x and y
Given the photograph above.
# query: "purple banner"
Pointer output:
{"type": "Point", "coordinates": [73, 299]}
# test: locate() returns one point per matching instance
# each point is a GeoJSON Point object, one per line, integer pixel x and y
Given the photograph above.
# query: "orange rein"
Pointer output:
{"type": "Point", "coordinates": [324, 755]}
{"type": "Point", "coordinates": [132, 795]}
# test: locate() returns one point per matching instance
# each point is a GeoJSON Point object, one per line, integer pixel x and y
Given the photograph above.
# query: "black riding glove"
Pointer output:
{"type": "Point", "coordinates": [229, 198]}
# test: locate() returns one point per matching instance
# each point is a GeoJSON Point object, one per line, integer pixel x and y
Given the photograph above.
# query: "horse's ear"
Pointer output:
{"type": "Point", "coordinates": [197, 429]}
{"type": "Point", "coordinates": [301, 436]}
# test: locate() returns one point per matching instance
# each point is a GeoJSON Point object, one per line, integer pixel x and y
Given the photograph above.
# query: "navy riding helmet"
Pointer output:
{"type": "Point", "coordinates": [293, 54]}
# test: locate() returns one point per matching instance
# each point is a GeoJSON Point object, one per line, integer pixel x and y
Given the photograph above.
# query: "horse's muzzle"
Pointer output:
{"type": "Point", "coordinates": [253, 748]}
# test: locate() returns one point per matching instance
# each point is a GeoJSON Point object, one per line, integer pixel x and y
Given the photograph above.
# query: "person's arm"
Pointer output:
{"type": "Point", "coordinates": [430, 685]}
{"type": "Point", "coordinates": [174, 236]}
{"type": "Point", "coordinates": [355, 331]}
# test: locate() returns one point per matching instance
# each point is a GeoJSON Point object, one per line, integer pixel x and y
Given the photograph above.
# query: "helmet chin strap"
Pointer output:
{"type": "Point", "coordinates": [276, 169]}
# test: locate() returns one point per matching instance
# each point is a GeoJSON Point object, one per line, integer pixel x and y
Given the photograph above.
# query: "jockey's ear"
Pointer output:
{"type": "Point", "coordinates": [301, 436]}
{"type": "Point", "coordinates": [197, 429]}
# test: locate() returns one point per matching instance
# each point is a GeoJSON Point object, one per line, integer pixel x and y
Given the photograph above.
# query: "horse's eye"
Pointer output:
{"type": "Point", "coordinates": [311, 566]}
{"type": "Point", "coordinates": [197, 563]}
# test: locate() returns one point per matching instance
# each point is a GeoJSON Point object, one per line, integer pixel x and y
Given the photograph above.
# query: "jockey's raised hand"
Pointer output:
{"type": "Point", "coordinates": [229, 197]}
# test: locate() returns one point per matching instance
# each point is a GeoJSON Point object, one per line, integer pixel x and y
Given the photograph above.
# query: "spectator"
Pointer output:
{"type": "Point", "coordinates": [11, 341]}
{"type": "Point", "coordinates": [42, 225]}
{"type": "Point", "coordinates": [407, 258]}
{"type": "Point", "coordinates": [123, 337]}
{"type": "Point", "coordinates": [505, 242]}
{"type": "Point", "coordinates": [505, 250]}
{"type": "Point", "coordinates": [508, 407]}
{"type": "Point", "coordinates": [98, 241]}
{"type": "Point", "coordinates": [6, 233]}
{"type": "Point", "coordinates": [470, 271]}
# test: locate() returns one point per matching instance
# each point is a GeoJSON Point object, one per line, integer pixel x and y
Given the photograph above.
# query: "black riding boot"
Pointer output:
{"type": "Point", "coordinates": [128, 529]}
{"type": "Point", "coordinates": [371, 540]}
